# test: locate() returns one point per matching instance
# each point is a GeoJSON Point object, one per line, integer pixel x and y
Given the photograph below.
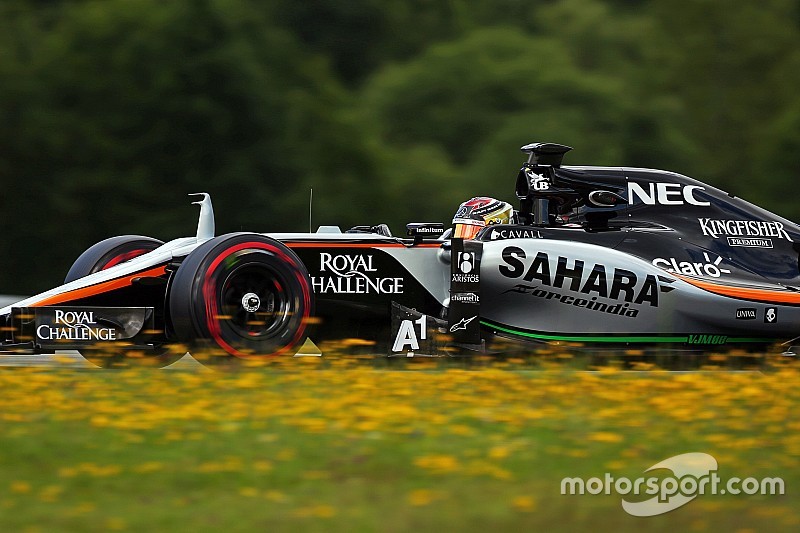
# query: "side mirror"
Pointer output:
{"type": "Point", "coordinates": [421, 230]}
{"type": "Point", "coordinates": [606, 199]}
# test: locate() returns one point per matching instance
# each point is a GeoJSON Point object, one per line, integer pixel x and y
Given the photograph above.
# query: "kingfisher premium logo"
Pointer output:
{"type": "Point", "coordinates": [352, 274]}
{"type": "Point", "coordinates": [745, 233]}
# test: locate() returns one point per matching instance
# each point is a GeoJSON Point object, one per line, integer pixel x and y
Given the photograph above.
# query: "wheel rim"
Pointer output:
{"type": "Point", "coordinates": [284, 300]}
{"type": "Point", "coordinates": [254, 301]}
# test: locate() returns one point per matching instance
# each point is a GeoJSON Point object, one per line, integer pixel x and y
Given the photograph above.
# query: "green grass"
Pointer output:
{"type": "Point", "coordinates": [353, 448]}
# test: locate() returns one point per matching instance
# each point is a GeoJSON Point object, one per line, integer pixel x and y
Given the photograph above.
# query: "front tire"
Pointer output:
{"type": "Point", "coordinates": [110, 252]}
{"type": "Point", "coordinates": [106, 254]}
{"type": "Point", "coordinates": [244, 295]}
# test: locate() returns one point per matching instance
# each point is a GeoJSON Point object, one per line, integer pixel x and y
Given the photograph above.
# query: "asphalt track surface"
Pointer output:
{"type": "Point", "coordinates": [73, 359]}
{"type": "Point", "coordinates": [70, 359]}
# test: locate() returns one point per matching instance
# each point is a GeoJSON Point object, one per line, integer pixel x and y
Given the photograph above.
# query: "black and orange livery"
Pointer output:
{"type": "Point", "coordinates": [596, 255]}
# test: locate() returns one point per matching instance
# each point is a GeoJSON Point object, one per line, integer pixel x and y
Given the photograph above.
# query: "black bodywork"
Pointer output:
{"type": "Point", "coordinates": [713, 259]}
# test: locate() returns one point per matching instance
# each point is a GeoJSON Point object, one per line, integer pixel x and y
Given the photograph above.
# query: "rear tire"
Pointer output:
{"type": "Point", "coordinates": [244, 295]}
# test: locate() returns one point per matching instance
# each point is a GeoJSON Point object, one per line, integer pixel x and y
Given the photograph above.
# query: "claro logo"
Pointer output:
{"type": "Point", "coordinates": [665, 194]}
{"type": "Point", "coordinates": [707, 267]}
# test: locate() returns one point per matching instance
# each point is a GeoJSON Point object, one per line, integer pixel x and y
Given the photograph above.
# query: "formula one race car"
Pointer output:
{"type": "Point", "coordinates": [594, 255]}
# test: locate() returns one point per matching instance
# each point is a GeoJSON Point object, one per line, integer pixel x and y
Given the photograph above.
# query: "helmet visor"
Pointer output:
{"type": "Point", "coordinates": [466, 231]}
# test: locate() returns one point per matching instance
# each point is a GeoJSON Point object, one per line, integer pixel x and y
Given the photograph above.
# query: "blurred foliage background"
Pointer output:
{"type": "Point", "coordinates": [112, 111]}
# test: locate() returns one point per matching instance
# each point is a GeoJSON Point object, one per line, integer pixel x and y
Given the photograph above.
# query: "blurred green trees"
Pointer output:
{"type": "Point", "coordinates": [112, 111]}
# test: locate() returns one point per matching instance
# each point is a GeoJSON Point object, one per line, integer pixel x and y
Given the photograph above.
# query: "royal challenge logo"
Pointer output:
{"type": "Point", "coordinates": [74, 326]}
{"type": "Point", "coordinates": [352, 274]}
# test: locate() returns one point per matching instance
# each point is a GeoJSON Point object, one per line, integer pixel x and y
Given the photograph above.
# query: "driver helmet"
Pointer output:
{"type": "Point", "coordinates": [477, 213]}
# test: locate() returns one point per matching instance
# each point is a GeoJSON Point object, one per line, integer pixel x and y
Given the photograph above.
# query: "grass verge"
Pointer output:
{"type": "Point", "coordinates": [346, 446]}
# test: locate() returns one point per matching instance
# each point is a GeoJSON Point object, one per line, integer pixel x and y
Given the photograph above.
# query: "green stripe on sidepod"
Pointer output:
{"type": "Point", "coordinates": [591, 338]}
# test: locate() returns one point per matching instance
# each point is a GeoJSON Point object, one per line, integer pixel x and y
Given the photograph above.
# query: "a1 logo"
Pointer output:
{"type": "Point", "coordinates": [407, 338]}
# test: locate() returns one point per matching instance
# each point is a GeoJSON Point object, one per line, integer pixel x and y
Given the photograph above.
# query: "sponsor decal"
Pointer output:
{"type": "Point", "coordinates": [418, 230]}
{"type": "Point", "coordinates": [352, 274]}
{"type": "Point", "coordinates": [665, 194]}
{"type": "Point", "coordinates": [74, 326]}
{"type": "Point", "coordinates": [415, 334]}
{"type": "Point", "coordinates": [465, 262]}
{"type": "Point", "coordinates": [751, 233]}
{"type": "Point", "coordinates": [462, 324]}
{"type": "Point", "coordinates": [610, 290]}
{"type": "Point", "coordinates": [591, 304]}
{"type": "Point", "coordinates": [407, 338]}
{"type": "Point", "coordinates": [465, 278]}
{"type": "Point", "coordinates": [707, 268]}
{"type": "Point", "coordinates": [707, 339]}
{"type": "Point", "coordinates": [771, 315]}
{"type": "Point", "coordinates": [465, 268]}
{"type": "Point", "coordinates": [465, 298]}
{"type": "Point", "coordinates": [429, 230]}
{"type": "Point", "coordinates": [538, 182]}
{"type": "Point", "coordinates": [746, 313]}
{"type": "Point", "coordinates": [750, 243]}
{"type": "Point", "coordinates": [506, 233]}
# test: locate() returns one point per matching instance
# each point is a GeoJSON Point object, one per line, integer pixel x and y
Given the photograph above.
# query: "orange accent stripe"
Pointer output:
{"type": "Point", "coordinates": [762, 295]}
{"type": "Point", "coordinates": [357, 245]}
{"type": "Point", "coordinates": [100, 288]}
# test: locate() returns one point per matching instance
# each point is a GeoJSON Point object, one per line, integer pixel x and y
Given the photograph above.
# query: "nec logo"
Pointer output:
{"type": "Point", "coordinates": [665, 194]}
